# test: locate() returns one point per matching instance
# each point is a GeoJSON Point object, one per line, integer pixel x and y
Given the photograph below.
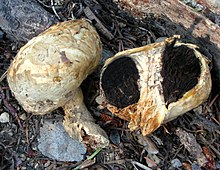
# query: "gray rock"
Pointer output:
{"type": "Point", "coordinates": [4, 117]}
{"type": "Point", "coordinates": [176, 163]}
{"type": "Point", "coordinates": [22, 20]}
{"type": "Point", "coordinates": [115, 137]}
{"type": "Point", "coordinates": [56, 144]}
{"type": "Point", "coordinates": [195, 166]}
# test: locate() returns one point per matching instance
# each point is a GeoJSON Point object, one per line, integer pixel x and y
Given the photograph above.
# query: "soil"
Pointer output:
{"type": "Point", "coordinates": [163, 149]}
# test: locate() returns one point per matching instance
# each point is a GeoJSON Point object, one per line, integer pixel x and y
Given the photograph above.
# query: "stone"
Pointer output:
{"type": "Point", "coordinates": [22, 21]}
{"type": "Point", "coordinates": [176, 163]}
{"type": "Point", "coordinates": [23, 116]}
{"type": "Point", "coordinates": [55, 143]}
{"type": "Point", "coordinates": [4, 117]}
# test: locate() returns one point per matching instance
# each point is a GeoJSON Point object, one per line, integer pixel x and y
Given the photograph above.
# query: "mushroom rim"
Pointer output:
{"type": "Point", "coordinates": [190, 48]}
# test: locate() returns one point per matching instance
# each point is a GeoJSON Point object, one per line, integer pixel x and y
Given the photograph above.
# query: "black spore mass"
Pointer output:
{"type": "Point", "coordinates": [180, 72]}
{"type": "Point", "coordinates": [119, 82]}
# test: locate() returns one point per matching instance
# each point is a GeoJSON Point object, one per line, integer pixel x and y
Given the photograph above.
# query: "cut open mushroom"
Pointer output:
{"type": "Point", "coordinates": [48, 70]}
{"type": "Point", "coordinates": [156, 83]}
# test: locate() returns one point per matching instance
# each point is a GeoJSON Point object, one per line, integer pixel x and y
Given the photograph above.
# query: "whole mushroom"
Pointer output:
{"type": "Point", "coordinates": [47, 73]}
{"type": "Point", "coordinates": [153, 84]}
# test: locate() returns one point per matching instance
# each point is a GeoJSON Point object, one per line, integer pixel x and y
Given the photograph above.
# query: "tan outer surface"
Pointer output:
{"type": "Point", "coordinates": [150, 111]}
{"type": "Point", "coordinates": [79, 123]}
{"type": "Point", "coordinates": [48, 69]}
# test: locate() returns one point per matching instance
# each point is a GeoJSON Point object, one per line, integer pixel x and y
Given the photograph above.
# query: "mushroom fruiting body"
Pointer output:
{"type": "Point", "coordinates": [153, 84]}
{"type": "Point", "coordinates": [48, 70]}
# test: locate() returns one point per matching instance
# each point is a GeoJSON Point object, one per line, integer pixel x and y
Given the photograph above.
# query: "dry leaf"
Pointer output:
{"type": "Point", "coordinates": [211, 165]}
{"type": "Point", "coordinates": [187, 165]}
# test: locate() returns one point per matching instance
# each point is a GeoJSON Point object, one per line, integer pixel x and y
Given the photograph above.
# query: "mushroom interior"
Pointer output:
{"type": "Point", "coordinates": [180, 71]}
{"type": "Point", "coordinates": [119, 82]}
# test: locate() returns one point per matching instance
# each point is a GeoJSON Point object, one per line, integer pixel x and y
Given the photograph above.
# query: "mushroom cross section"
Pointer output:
{"type": "Point", "coordinates": [153, 84]}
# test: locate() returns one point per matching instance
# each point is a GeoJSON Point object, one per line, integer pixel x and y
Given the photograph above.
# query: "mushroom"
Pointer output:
{"type": "Point", "coordinates": [47, 73]}
{"type": "Point", "coordinates": [154, 84]}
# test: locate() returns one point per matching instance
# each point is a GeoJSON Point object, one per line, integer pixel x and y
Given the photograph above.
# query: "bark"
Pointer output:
{"type": "Point", "coordinates": [23, 19]}
{"type": "Point", "coordinates": [171, 17]}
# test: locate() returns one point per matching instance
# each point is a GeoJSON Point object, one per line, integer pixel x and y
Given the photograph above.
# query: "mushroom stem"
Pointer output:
{"type": "Point", "coordinates": [80, 124]}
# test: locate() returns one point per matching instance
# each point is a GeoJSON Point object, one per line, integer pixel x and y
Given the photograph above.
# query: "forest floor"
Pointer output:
{"type": "Point", "coordinates": [189, 142]}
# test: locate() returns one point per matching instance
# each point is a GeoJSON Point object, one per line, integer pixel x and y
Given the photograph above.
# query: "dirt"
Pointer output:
{"type": "Point", "coordinates": [161, 150]}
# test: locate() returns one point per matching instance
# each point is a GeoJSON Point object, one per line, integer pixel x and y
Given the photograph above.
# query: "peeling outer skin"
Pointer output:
{"type": "Point", "coordinates": [150, 111]}
{"type": "Point", "coordinates": [79, 123]}
{"type": "Point", "coordinates": [49, 67]}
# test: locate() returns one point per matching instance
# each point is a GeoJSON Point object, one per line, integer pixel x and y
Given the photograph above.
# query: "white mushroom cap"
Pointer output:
{"type": "Point", "coordinates": [47, 70]}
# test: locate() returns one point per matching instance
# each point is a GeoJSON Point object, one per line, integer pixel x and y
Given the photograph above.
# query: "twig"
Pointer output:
{"type": "Point", "coordinates": [54, 10]}
{"type": "Point", "coordinates": [119, 161]}
{"type": "Point", "coordinates": [213, 100]}
{"type": "Point", "coordinates": [216, 121]}
{"type": "Point", "coordinates": [210, 145]}
{"type": "Point", "coordinates": [3, 75]}
{"type": "Point", "coordinates": [10, 108]}
{"type": "Point", "coordinates": [134, 163]}
{"type": "Point", "coordinates": [89, 158]}
{"type": "Point", "coordinates": [88, 12]}
{"type": "Point", "coordinates": [43, 3]}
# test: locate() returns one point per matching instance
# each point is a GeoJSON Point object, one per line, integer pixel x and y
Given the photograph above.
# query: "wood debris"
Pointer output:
{"type": "Point", "coordinates": [190, 143]}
